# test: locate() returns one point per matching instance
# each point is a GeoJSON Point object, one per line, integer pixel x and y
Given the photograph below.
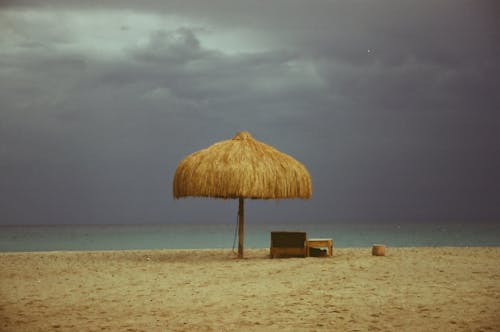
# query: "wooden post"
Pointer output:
{"type": "Point", "coordinates": [241, 222]}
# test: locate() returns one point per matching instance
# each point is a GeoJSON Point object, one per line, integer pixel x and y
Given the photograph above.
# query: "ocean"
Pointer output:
{"type": "Point", "coordinates": [219, 235]}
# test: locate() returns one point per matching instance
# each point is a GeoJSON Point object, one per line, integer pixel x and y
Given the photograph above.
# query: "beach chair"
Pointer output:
{"type": "Point", "coordinates": [288, 244]}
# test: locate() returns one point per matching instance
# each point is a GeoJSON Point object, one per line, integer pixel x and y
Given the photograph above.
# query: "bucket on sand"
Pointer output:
{"type": "Point", "coordinates": [378, 250]}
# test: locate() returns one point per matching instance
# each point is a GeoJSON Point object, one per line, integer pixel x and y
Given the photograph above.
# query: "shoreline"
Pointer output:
{"type": "Point", "coordinates": [220, 235]}
{"type": "Point", "coordinates": [411, 289]}
{"type": "Point", "coordinates": [253, 250]}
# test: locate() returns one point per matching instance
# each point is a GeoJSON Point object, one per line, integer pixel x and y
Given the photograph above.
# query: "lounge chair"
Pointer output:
{"type": "Point", "coordinates": [288, 244]}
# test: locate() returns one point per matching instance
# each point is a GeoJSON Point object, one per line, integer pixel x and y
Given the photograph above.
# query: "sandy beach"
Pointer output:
{"type": "Point", "coordinates": [410, 289]}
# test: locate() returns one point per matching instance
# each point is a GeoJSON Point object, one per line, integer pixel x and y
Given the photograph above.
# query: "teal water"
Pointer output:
{"type": "Point", "coordinates": [189, 236]}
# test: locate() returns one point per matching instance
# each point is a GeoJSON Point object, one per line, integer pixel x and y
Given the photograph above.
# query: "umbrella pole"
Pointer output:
{"type": "Point", "coordinates": [241, 222]}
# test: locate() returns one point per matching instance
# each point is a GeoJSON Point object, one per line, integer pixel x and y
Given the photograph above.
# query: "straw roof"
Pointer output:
{"type": "Point", "coordinates": [241, 167]}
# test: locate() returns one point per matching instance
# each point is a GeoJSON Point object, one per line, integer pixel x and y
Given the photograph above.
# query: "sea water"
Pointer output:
{"type": "Point", "coordinates": [223, 235]}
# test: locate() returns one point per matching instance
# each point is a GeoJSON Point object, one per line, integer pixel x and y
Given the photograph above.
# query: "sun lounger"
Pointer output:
{"type": "Point", "coordinates": [288, 244]}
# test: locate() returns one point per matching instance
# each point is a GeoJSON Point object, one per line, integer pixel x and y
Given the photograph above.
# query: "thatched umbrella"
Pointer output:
{"type": "Point", "coordinates": [241, 167]}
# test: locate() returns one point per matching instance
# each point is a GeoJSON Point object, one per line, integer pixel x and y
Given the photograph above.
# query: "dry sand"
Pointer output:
{"type": "Point", "coordinates": [410, 289]}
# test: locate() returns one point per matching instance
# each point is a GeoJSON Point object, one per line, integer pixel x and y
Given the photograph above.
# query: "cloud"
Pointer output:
{"type": "Point", "coordinates": [392, 106]}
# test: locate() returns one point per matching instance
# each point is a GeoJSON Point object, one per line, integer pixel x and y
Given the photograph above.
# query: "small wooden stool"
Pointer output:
{"type": "Point", "coordinates": [378, 250]}
{"type": "Point", "coordinates": [328, 243]}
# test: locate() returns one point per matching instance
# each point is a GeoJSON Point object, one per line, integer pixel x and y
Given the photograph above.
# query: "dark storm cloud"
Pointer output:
{"type": "Point", "coordinates": [391, 105]}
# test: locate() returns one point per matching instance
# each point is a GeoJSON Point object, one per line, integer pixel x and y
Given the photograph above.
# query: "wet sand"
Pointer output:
{"type": "Point", "coordinates": [410, 289]}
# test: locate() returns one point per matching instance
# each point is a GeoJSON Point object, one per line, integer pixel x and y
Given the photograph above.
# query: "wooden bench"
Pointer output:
{"type": "Point", "coordinates": [288, 244]}
{"type": "Point", "coordinates": [320, 243]}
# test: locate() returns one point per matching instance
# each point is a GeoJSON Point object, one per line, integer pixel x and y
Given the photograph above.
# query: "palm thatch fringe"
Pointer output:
{"type": "Point", "coordinates": [241, 167]}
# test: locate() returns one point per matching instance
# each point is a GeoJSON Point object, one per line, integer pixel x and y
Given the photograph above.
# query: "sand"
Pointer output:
{"type": "Point", "coordinates": [410, 289]}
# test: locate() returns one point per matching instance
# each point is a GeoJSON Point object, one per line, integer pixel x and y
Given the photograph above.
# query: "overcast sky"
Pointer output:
{"type": "Point", "coordinates": [393, 106]}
